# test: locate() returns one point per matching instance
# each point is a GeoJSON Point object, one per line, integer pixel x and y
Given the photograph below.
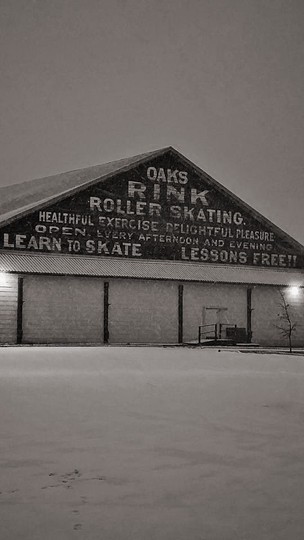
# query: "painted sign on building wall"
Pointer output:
{"type": "Point", "coordinates": [162, 209]}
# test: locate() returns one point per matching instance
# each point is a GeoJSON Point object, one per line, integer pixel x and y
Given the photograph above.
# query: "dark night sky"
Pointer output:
{"type": "Point", "coordinates": [90, 81]}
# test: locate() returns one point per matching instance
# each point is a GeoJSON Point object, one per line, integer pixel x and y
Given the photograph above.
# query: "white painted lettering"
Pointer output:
{"type": "Point", "coordinates": [6, 241]}
{"type": "Point", "coordinates": [95, 203]}
{"type": "Point", "coordinates": [195, 196]}
{"type": "Point", "coordinates": [136, 188]}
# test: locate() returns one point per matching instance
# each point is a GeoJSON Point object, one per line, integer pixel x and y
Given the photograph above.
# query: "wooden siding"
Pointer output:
{"type": "Point", "coordinates": [143, 312]}
{"type": "Point", "coordinates": [8, 308]}
{"type": "Point", "coordinates": [62, 310]}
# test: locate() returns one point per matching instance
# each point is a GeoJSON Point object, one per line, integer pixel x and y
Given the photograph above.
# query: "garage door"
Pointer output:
{"type": "Point", "coordinates": [62, 310]}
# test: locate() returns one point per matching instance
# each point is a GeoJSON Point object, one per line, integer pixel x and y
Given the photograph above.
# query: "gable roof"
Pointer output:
{"type": "Point", "coordinates": [18, 200]}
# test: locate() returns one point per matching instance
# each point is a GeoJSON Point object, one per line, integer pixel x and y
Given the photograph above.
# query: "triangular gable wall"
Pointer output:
{"type": "Point", "coordinates": [162, 208]}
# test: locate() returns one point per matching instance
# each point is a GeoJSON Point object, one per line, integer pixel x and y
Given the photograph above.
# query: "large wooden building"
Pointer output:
{"type": "Point", "coordinates": [142, 250]}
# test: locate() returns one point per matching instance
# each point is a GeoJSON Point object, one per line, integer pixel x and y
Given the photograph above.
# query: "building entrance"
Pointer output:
{"type": "Point", "coordinates": [214, 318]}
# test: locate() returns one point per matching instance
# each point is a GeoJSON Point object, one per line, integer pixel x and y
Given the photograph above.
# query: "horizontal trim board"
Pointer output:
{"type": "Point", "coordinates": [65, 265]}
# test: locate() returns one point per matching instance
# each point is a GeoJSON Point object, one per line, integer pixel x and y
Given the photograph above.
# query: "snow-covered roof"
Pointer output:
{"type": "Point", "coordinates": [19, 198]}
{"type": "Point", "coordinates": [110, 267]}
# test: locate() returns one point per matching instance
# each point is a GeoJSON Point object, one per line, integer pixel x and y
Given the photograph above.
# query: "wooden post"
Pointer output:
{"type": "Point", "coordinates": [180, 313]}
{"type": "Point", "coordinates": [19, 310]}
{"type": "Point", "coordinates": [106, 312]}
{"type": "Point", "coordinates": [249, 312]}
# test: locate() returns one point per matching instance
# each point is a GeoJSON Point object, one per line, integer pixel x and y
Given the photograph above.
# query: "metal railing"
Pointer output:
{"type": "Point", "coordinates": [213, 329]}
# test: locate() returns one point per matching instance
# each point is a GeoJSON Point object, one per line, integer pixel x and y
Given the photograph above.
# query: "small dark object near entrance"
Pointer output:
{"type": "Point", "coordinates": [239, 335]}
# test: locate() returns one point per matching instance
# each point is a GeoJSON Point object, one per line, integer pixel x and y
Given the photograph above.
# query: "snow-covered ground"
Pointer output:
{"type": "Point", "coordinates": [151, 444]}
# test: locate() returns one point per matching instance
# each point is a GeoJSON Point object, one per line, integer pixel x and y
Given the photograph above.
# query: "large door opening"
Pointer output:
{"type": "Point", "coordinates": [217, 324]}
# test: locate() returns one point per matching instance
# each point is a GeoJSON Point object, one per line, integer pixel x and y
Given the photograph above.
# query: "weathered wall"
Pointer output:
{"type": "Point", "coordinates": [70, 310]}
{"type": "Point", "coordinates": [8, 308]}
{"type": "Point", "coordinates": [62, 310]}
{"type": "Point", "coordinates": [143, 311]}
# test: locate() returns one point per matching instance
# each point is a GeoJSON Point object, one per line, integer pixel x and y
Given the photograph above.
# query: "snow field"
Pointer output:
{"type": "Point", "coordinates": [150, 444]}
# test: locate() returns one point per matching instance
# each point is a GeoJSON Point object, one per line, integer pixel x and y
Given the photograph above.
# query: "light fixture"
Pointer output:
{"type": "Point", "coordinates": [294, 290]}
{"type": "Point", "coordinates": [3, 279]}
